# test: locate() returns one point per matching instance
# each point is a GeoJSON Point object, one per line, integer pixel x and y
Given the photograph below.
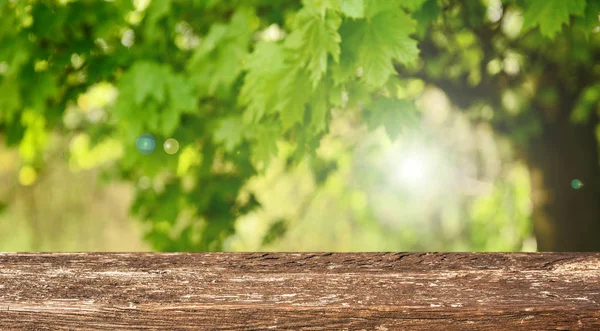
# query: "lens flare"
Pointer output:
{"type": "Point", "coordinates": [145, 144]}
{"type": "Point", "coordinates": [576, 184]}
{"type": "Point", "coordinates": [413, 169]}
{"type": "Point", "coordinates": [171, 146]}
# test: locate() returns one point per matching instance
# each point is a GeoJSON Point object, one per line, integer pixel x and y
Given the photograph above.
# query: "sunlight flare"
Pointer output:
{"type": "Point", "coordinates": [413, 169]}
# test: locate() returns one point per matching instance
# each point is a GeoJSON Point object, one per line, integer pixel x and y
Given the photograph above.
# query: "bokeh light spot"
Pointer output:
{"type": "Point", "coordinates": [171, 146]}
{"type": "Point", "coordinates": [576, 184]}
{"type": "Point", "coordinates": [27, 175]}
{"type": "Point", "coordinates": [145, 144]}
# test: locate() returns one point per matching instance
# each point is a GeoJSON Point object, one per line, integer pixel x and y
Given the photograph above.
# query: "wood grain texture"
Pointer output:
{"type": "Point", "coordinates": [300, 291]}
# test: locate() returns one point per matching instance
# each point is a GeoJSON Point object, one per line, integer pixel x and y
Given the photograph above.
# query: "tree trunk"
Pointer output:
{"type": "Point", "coordinates": [565, 218]}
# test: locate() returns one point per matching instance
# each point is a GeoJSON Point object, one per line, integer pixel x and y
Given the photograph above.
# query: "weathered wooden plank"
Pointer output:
{"type": "Point", "coordinates": [304, 291]}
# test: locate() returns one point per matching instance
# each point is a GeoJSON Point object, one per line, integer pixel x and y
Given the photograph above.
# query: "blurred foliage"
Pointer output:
{"type": "Point", "coordinates": [290, 119]}
{"type": "Point", "coordinates": [63, 210]}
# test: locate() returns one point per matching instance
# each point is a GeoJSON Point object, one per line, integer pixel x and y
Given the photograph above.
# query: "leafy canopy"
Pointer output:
{"type": "Point", "coordinates": [231, 80]}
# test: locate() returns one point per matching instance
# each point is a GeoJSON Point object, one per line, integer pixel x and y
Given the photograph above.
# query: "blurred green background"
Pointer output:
{"type": "Point", "coordinates": [311, 125]}
{"type": "Point", "coordinates": [419, 192]}
{"type": "Point", "coordinates": [423, 190]}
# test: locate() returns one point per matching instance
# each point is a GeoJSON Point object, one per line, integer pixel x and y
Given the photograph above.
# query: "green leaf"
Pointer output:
{"type": "Point", "coordinates": [588, 22]}
{"type": "Point", "coordinates": [158, 9]}
{"type": "Point", "coordinates": [345, 69]}
{"type": "Point", "coordinates": [265, 143]}
{"type": "Point", "coordinates": [154, 13]}
{"type": "Point", "coordinates": [229, 132]}
{"type": "Point", "coordinates": [169, 121]}
{"type": "Point", "coordinates": [353, 8]}
{"type": "Point", "coordinates": [153, 118]}
{"type": "Point", "coordinates": [125, 104]}
{"type": "Point", "coordinates": [357, 94]}
{"type": "Point", "coordinates": [218, 60]}
{"type": "Point", "coordinates": [313, 39]}
{"type": "Point", "coordinates": [321, 6]}
{"type": "Point", "coordinates": [45, 88]}
{"type": "Point", "coordinates": [210, 42]}
{"type": "Point", "coordinates": [428, 13]}
{"type": "Point", "coordinates": [292, 96]}
{"type": "Point", "coordinates": [336, 94]}
{"type": "Point", "coordinates": [142, 95]}
{"type": "Point", "coordinates": [264, 68]}
{"type": "Point", "coordinates": [550, 15]}
{"type": "Point", "coordinates": [148, 80]}
{"type": "Point", "coordinates": [393, 114]}
{"type": "Point", "coordinates": [270, 86]}
{"type": "Point", "coordinates": [319, 108]}
{"type": "Point", "coordinates": [377, 43]}
{"type": "Point", "coordinates": [374, 7]}
{"type": "Point", "coordinates": [227, 67]}
{"type": "Point", "coordinates": [412, 5]}
{"type": "Point", "coordinates": [181, 94]}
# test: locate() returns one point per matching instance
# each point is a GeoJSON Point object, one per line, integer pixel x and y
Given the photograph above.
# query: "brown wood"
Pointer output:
{"type": "Point", "coordinates": [300, 291]}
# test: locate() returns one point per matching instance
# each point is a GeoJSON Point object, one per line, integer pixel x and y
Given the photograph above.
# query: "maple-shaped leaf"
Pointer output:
{"type": "Point", "coordinates": [181, 99]}
{"type": "Point", "coordinates": [227, 66]}
{"type": "Point", "coordinates": [550, 15]}
{"type": "Point", "coordinates": [152, 117]}
{"type": "Point", "coordinates": [125, 103]}
{"type": "Point", "coordinates": [181, 94]}
{"type": "Point", "coordinates": [215, 35]}
{"type": "Point", "coordinates": [377, 42]}
{"type": "Point", "coordinates": [345, 69]}
{"type": "Point", "coordinates": [265, 143]}
{"type": "Point", "coordinates": [148, 79]}
{"type": "Point", "coordinates": [169, 120]}
{"type": "Point", "coordinates": [393, 114]}
{"type": "Point", "coordinates": [45, 87]}
{"type": "Point", "coordinates": [313, 39]}
{"type": "Point", "coordinates": [218, 60]}
{"type": "Point", "coordinates": [143, 95]}
{"type": "Point", "coordinates": [229, 132]}
{"type": "Point", "coordinates": [154, 13]}
{"type": "Point", "coordinates": [319, 108]}
{"type": "Point", "coordinates": [264, 66]}
{"type": "Point", "coordinates": [292, 96]}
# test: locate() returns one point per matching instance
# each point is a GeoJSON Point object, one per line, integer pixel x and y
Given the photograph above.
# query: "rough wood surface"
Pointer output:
{"type": "Point", "coordinates": [304, 291]}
